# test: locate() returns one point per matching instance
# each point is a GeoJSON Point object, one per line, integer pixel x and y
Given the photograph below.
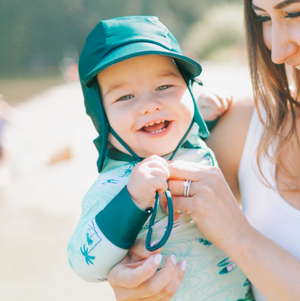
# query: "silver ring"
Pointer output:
{"type": "Point", "coordinates": [187, 187]}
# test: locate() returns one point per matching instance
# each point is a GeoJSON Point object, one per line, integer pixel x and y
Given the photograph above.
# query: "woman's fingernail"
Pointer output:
{"type": "Point", "coordinates": [173, 258]}
{"type": "Point", "coordinates": [183, 265]}
{"type": "Point", "coordinates": [153, 243]}
{"type": "Point", "coordinates": [157, 259]}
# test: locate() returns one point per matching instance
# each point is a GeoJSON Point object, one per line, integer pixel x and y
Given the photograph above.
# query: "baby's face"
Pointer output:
{"type": "Point", "coordinates": [147, 103]}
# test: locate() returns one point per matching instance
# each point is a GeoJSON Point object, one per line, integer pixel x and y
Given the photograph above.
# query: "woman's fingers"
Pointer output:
{"type": "Point", "coordinates": [175, 283]}
{"type": "Point", "coordinates": [138, 261]}
{"type": "Point", "coordinates": [161, 285]}
{"type": "Point", "coordinates": [176, 188]}
{"type": "Point", "coordinates": [130, 276]}
{"type": "Point", "coordinates": [181, 170]}
{"type": "Point", "coordinates": [164, 284]}
{"type": "Point", "coordinates": [164, 204]}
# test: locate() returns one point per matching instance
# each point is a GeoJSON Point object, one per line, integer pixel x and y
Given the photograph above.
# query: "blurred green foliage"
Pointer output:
{"type": "Point", "coordinates": [36, 35]}
{"type": "Point", "coordinates": [218, 34]}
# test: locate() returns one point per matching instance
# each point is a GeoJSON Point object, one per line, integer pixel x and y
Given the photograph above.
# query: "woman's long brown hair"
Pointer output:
{"type": "Point", "coordinates": [271, 90]}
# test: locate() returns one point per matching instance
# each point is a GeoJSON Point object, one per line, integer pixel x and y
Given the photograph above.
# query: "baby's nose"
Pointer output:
{"type": "Point", "coordinates": [149, 105]}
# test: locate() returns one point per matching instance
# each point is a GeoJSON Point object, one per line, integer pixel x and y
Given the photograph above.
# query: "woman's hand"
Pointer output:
{"type": "Point", "coordinates": [210, 204]}
{"type": "Point", "coordinates": [216, 213]}
{"type": "Point", "coordinates": [136, 276]}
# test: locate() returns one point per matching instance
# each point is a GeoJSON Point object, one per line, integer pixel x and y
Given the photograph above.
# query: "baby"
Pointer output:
{"type": "Point", "coordinates": [137, 89]}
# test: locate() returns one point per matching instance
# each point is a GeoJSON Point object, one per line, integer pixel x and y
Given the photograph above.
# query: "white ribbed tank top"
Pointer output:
{"type": "Point", "coordinates": [264, 208]}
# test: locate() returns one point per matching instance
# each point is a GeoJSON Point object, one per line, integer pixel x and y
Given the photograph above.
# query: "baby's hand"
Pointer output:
{"type": "Point", "coordinates": [213, 104]}
{"type": "Point", "coordinates": [146, 178]}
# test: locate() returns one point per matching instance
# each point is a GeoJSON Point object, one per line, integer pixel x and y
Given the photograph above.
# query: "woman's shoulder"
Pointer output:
{"type": "Point", "coordinates": [228, 138]}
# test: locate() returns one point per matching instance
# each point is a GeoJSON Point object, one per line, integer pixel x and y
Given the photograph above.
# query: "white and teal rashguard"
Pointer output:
{"type": "Point", "coordinates": [110, 223]}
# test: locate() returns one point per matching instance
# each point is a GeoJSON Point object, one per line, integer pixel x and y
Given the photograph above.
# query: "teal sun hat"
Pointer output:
{"type": "Point", "coordinates": [118, 39]}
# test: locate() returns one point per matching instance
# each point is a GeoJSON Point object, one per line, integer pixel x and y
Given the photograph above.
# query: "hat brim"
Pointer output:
{"type": "Point", "coordinates": [138, 49]}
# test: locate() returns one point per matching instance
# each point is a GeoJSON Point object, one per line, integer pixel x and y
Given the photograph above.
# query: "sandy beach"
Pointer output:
{"type": "Point", "coordinates": [41, 204]}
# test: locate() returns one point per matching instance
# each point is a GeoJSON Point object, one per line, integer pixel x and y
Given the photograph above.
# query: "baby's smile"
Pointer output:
{"type": "Point", "coordinates": [157, 104]}
{"type": "Point", "coordinates": [156, 127]}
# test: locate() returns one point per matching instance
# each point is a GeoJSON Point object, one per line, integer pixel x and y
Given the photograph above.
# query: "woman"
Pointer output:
{"type": "Point", "coordinates": [260, 159]}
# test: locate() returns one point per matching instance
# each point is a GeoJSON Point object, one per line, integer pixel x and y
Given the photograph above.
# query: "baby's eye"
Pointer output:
{"type": "Point", "coordinates": [163, 87]}
{"type": "Point", "coordinates": [126, 97]}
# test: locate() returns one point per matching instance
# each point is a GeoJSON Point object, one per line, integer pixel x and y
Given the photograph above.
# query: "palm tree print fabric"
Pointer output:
{"type": "Point", "coordinates": [210, 274]}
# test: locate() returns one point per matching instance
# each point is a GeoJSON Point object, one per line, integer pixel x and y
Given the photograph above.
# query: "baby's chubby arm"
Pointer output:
{"type": "Point", "coordinates": [147, 178]}
{"type": "Point", "coordinates": [108, 228]}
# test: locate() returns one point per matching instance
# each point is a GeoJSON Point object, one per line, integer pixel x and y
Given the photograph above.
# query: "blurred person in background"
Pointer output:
{"type": "Point", "coordinates": [3, 108]}
{"type": "Point", "coordinates": [259, 154]}
{"type": "Point", "coordinates": [4, 117]}
{"type": "Point", "coordinates": [10, 155]}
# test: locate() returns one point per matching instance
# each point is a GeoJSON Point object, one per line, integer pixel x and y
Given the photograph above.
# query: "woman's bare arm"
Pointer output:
{"type": "Point", "coordinates": [273, 270]}
{"type": "Point", "coordinates": [270, 268]}
{"type": "Point", "coordinates": [228, 138]}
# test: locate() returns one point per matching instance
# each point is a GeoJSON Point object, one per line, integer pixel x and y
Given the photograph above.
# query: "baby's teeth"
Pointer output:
{"type": "Point", "coordinates": [152, 123]}
{"type": "Point", "coordinates": [158, 131]}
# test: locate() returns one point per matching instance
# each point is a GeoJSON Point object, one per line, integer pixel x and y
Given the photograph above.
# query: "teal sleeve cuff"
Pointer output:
{"type": "Point", "coordinates": [121, 220]}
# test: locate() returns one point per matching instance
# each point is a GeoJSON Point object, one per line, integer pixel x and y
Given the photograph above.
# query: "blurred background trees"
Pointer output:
{"type": "Point", "coordinates": [37, 35]}
{"type": "Point", "coordinates": [40, 39]}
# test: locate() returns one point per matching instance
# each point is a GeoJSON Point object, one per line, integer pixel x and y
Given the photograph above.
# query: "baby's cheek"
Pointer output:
{"type": "Point", "coordinates": [115, 142]}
